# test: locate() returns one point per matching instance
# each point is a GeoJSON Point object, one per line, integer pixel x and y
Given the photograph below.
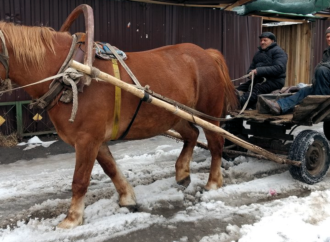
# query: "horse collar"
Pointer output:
{"type": "Point", "coordinates": [4, 58]}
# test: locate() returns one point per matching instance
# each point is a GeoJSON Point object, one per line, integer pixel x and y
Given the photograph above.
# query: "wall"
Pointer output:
{"type": "Point", "coordinates": [133, 26]}
{"type": "Point", "coordinates": [304, 44]}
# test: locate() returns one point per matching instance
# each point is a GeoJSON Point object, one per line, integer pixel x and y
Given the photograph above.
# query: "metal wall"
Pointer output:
{"type": "Point", "coordinates": [133, 26]}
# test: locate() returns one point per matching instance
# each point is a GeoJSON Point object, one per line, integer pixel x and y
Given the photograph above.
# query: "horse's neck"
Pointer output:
{"type": "Point", "coordinates": [53, 63]}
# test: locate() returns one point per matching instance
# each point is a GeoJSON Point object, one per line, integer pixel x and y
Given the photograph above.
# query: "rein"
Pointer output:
{"type": "Point", "coordinates": [242, 77]}
{"type": "Point", "coordinates": [35, 83]}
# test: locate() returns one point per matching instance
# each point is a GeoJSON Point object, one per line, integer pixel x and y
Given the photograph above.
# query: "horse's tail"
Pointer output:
{"type": "Point", "coordinates": [231, 100]}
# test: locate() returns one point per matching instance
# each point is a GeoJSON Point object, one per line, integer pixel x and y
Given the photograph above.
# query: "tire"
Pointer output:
{"type": "Point", "coordinates": [313, 150]}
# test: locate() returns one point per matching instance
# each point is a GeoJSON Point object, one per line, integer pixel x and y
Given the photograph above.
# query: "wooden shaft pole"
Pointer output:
{"type": "Point", "coordinates": [189, 117]}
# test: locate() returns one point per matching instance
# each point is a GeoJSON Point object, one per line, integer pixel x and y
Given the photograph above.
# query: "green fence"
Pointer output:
{"type": "Point", "coordinates": [18, 117]}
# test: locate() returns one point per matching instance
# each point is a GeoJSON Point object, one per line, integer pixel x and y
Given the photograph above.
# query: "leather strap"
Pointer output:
{"type": "Point", "coordinates": [4, 58]}
{"type": "Point", "coordinates": [116, 114]}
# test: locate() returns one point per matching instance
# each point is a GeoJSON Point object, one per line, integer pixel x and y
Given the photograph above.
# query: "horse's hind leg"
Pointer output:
{"type": "Point", "coordinates": [215, 144]}
{"type": "Point", "coordinates": [125, 190]}
{"type": "Point", "coordinates": [189, 134]}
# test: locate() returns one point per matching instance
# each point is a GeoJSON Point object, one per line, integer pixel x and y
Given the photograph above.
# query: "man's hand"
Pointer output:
{"type": "Point", "coordinates": [254, 71]}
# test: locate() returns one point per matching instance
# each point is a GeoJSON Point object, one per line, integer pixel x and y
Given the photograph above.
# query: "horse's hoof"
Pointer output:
{"type": "Point", "coordinates": [66, 224]}
{"type": "Point", "coordinates": [131, 208]}
{"type": "Point", "coordinates": [210, 187]}
{"type": "Point", "coordinates": [185, 182]}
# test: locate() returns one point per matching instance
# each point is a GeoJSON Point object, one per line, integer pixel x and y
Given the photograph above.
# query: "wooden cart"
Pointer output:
{"type": "Point", "coordinates": [274, 133]}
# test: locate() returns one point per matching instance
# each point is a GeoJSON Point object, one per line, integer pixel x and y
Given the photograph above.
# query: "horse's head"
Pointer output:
{"type": "Point", "coordinates": [24, 52]}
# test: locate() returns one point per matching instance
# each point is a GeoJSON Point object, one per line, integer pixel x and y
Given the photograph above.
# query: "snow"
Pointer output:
{"type": "Point", "coordinates": [269, 204]}
{"type": "Point", "coordinates": [34, 142]}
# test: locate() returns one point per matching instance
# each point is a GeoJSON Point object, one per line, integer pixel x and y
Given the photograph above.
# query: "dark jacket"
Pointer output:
{"type": "Point", "coordinates": [326, 58]}
{"type": "Point", "coordinates": [270, 63]}
{"type": "Point", "coordinates": [325, 62]}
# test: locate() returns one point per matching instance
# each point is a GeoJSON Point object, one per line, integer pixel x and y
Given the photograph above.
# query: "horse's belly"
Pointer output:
{"type": "Point", "coordinates": [149, 124]}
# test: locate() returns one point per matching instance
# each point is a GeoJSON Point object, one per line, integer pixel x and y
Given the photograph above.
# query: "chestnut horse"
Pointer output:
{"type": "Point", "coordinates": [186, 73]}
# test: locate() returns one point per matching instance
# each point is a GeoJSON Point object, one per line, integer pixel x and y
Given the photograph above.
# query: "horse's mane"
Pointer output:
{"type": "Point", "coordinates": [28, 43]}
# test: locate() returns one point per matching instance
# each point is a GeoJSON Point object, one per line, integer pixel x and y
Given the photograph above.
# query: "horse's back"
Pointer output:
{"type": "Point", "coordinates": [184, 72]}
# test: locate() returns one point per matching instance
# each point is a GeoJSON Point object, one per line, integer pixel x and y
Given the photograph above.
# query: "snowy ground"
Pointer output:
{"type": "Point", "coordinates": [259, 202]}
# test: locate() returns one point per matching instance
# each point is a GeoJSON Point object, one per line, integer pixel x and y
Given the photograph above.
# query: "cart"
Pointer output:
{"type": "Point", "coordinates": [274, 133]}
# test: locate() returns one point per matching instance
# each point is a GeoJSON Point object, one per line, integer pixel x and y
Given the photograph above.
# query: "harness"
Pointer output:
{"type": "Point", "coordinates": [48, 100]}
{"type": "Point", "coordinates": [4, 59]}
{"type": "Point", "coordinates": [107, 52]}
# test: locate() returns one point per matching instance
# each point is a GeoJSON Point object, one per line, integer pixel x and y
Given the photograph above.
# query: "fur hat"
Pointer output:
{"type": "Point", "coordinates": [268, 35]}
{"type": "Point", "coordinates": [327, 31]}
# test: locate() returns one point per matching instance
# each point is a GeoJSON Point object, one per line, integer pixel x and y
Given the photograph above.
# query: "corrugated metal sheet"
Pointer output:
{"type": "Point", "coordinates": [133, 26]}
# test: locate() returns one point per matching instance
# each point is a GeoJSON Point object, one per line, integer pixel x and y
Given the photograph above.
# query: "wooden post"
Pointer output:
{"type": "Point", "coordinates": [189, 117]}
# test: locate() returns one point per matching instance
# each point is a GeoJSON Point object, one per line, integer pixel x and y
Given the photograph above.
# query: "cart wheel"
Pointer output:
{"type": "Point", "coordinates": [312, 149]}
{"type": "Point", "coordinates": [326, 129]}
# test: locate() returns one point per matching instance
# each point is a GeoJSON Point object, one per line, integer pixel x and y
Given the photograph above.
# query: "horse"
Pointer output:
{"type": "Point", "coordinates": [186, 73]}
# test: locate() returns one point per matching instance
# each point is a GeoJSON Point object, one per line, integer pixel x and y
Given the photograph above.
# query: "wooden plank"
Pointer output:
{"type": "Point", "coordinates": [222, 5]}
{"type": "Point", "coordinates": [280, 19]}
{"type": "Point", "coordinates": [296, 42]}
{"type": "Point", "coordinates": [308, 108]}
{"type": "Point", "coordinates": [264, 117]}
{"type": "Point", "coordinates": [322, 15]}
{"type": "Point", "coordinates": [237, 3]}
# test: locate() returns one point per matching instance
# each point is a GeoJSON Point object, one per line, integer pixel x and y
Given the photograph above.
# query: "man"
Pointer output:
{"type": "Point", "coordinates": [321, 85]}
{"type": "Point", "coordinates": [268, 66]}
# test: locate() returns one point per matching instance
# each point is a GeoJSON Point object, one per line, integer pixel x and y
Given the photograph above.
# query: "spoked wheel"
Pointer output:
{"type": "Point", "coordinates": [312, 149]}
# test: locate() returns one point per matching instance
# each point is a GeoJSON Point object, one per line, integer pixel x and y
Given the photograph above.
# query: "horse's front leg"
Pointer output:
{"type": "Point", "coordinates": [125, 190]}
{"type": "Point", "coordinates": [86, 151]}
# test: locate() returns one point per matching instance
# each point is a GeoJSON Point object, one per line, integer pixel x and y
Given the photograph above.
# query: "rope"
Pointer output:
{"type": "Point", "coordinates": [247, 101]}
{"type": "Point", "coordinates": [35, 83]}
{"type": "Point", "coordinates": [68, 76]}
{"type": "Point", "coordinates": [245, 76]}
{"type": "Point", "coordinates": [68, 79]}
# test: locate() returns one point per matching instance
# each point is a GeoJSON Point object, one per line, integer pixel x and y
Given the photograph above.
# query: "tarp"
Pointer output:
{"type": "Point", "coordinates": [284, 6]}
